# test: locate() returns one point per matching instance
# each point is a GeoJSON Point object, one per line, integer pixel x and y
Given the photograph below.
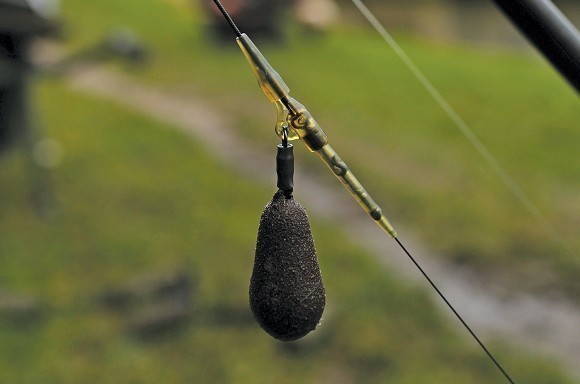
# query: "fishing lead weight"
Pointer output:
{"type": "Point", "coordinates": [287, 295]}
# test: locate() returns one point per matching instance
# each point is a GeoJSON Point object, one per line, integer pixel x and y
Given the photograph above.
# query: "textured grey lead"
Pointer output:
{"type": "Point", "coordinates": [287, 295]}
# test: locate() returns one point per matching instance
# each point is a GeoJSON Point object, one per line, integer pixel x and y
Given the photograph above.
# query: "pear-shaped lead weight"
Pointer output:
{"type": "Point", "coordinates": [287, 295]}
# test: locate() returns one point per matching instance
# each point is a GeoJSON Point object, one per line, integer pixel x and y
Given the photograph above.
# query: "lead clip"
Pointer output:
{"type": "Point", "coordinates": [285, 165]}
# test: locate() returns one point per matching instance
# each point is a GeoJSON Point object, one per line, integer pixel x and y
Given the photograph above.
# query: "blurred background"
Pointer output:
{"type": "Point", "coordinates": [137, 154]}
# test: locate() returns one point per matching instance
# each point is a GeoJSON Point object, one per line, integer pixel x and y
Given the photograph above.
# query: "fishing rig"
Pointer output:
{"type": "Point", "coordinates": [300, 124]}
{"type": "Point", "coordinates": [294, 122]}
{"type": "Point", "coordinates": [539, 20]}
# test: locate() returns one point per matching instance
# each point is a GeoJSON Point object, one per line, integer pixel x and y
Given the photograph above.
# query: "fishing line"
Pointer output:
{"type": "Point", "coordinates": [459, 317]}
{"type": "Point", "coordinates": [228, 18]}
{"type": "Point", "coordinates": [499, 170]}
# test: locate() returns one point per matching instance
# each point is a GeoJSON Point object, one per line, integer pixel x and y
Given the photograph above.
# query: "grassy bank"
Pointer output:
{"type": "Point", "coordinates": [405, 149]}
{"type": "Point", "coordinates": [137, 197]}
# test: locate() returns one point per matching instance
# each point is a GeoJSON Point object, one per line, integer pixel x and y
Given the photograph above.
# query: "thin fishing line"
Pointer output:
{"type": "Point", "coordinates": [228, 18]}
{"type": "Point", "coordinates": [455, 312]}
{"type": "Point", "coordinates": [509, 182]}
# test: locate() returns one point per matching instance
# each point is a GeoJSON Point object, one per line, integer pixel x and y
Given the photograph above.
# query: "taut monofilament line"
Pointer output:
{"type": "Point", "coordinates": [510, 183]}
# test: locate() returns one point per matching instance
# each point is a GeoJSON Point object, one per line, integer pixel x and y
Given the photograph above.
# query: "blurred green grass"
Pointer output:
{"type": "Point", "coordinates": [404, 148]}
{"type": "Point", "coordinates": [137, 196]}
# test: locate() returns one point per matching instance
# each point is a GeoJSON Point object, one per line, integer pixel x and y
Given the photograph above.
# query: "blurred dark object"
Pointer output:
{"type": "Point", "coordinates": [173, 286]}
{"type": "Point", "coordinates": [159, 319]}
{"type": "Point", "coordinates": [28, 17]}
{"type": "Point", "coordinates": [258, 18]}
{"type": "Point", "coordinates": [154, 305]}
{"type": "Point", "coordinates": [124, 43]}
{"type": "Point", "coordinates": [550, 31]}
{"type": "Point", "coordinates": [21, 22]}
{"type": "Point", "coordinates": [121, 43]}
{"type": "Point", "coordinates": [19, 310]}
